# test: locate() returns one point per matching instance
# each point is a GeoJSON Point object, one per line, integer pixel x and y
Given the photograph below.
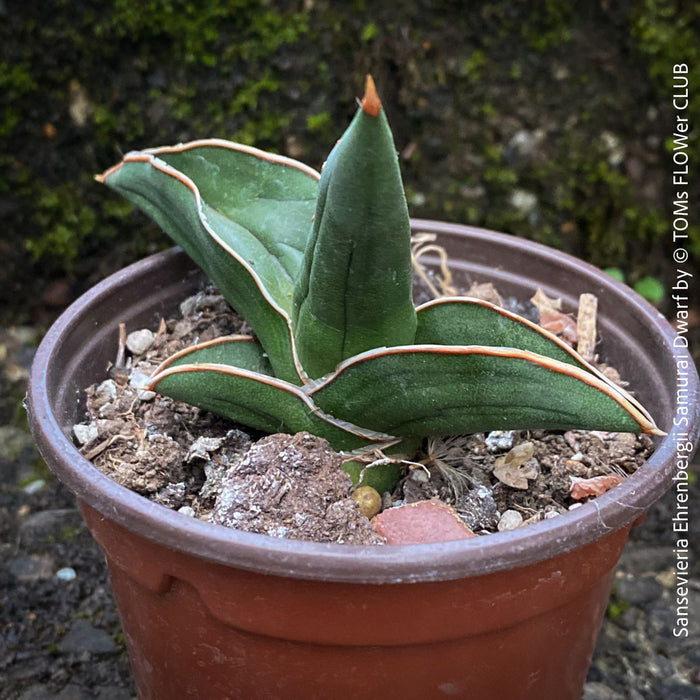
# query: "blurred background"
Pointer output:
{"type": "Point", "coordinates": [551, 120]}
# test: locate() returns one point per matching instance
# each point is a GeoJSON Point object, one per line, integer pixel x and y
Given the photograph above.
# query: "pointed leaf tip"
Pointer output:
{"type": "Point", "coordinates": [371, 104]}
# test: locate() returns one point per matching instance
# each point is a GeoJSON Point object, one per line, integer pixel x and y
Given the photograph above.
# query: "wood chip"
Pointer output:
{"type": "Point", "coordinates": [586, 325]}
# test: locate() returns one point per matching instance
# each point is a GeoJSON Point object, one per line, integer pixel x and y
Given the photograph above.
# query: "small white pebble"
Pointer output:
{"type": "Point", "coordinates": [531, 469]}
{"type": "Point", "coordinates": [279, 531]}
{"type": "Point", "coordinates": [500, 440]}
{"type": "Point", "coordinates": [66, 574]}
{"type": "Point", "coordinates": [574, 506]}
{"type": "Point", "coordinates": [105, 392]}
{"type": "Point", "coordinates": [34, 486]}
{"type": "Point", "coordinates": [420, 475]}
{"type": "Point", "coordinates": [186, 510]}
{"type": "Point", "coordinates": [188, 306]}
{"type": "Point", "coordinates": [578, 457]}
{"type": "Point", "coordinates": [510, 520]}
{"type": "Point", "coordinates": [551, 514]}
{"type": "Point", "coordinates": [139, 380]}
{"type": "Point", "coordinates": [84, 433]}
{"type": "Point", "coordinates": [138, 342]}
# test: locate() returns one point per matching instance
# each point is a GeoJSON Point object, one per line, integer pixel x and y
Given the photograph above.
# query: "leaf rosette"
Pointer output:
{"type": "Point", "coordinates": [320, 267]}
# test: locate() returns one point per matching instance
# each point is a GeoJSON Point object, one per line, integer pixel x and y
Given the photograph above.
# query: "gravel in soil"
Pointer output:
{"type": "Point", "coordinates": [204, 466]}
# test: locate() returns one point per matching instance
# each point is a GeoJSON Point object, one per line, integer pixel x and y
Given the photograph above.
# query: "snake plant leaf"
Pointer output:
{"type": "Point", "coordinates": [426, 390]}
{"type": "Point", "coordinates": [244, 217]}
{"type": "Point", "coordinates": [242, 351]}
{"type": "Point", "coordinates": [468, 321]}
{"type": "Point", "coordinates": [354, 289]}
{"type": "Point", "coordinates": [260, 401]}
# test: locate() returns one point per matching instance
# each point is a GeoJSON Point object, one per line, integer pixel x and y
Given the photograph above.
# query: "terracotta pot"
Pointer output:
{"type": "Point", "coordinates": [212, 613]}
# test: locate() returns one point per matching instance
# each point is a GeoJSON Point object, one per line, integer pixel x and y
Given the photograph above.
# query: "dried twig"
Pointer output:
{"type": "Point", "coordinates": [99, 449]}
{"type": "Point", "coordinates": [120, 362]}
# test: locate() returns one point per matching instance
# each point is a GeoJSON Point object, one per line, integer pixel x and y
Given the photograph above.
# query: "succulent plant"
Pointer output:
{"type": "Point", "coordinates": [320, 266]}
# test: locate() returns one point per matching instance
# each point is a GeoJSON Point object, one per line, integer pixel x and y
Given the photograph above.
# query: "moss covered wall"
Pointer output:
{"type": "Point", "coordinates": [550, 120]}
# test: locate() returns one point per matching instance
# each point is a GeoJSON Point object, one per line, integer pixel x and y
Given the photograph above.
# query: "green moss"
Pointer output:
{"type": "Point", "coordinates": [458, 85]}
{"type": "Point", "coordinates": [263, 130]}
{"type": "Point", "coordinates": [542, 26]}
{"type": "Point", "coordinates": [472, 68]}
{"type": "Point", "coordinates": [65, 220]}
{"type": "Point", "coordinates": [248, 96]}
{"type": "Point", "coordinates": [69, 533]}
{"type": "Point", "coordinates": [548, 25]}
{"type": "Point", "coordinates": [194, 30]}
{"type": "Point", "coordinates": [319, 122]}
{"type": "Point", "coordinates": [665, 33]}
{"type": "Point", "coordinates": [369, 32]}
{"type": "Point", "coordinates": [594, 205]}
{"type": "Point", "coordinates": [500, 176]}
{"type": "Point", "coordinates": [617, 607]}
{"type": "Point", "coordinates": [120, 641]}
{"type": "Point", "coordinates": [16, 84]}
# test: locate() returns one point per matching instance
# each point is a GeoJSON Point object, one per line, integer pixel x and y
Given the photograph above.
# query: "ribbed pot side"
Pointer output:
{"type": "Point", "coordinates": [214, 613]}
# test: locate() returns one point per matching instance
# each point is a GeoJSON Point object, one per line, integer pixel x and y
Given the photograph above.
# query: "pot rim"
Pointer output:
{"type": "Point", "coordinates": [356, 563]}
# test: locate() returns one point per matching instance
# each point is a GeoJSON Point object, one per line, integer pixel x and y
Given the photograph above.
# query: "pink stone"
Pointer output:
{"type": "Point", "coordinates": [598, 485]}
{"type": "Point", "coordinates": [421, 523]}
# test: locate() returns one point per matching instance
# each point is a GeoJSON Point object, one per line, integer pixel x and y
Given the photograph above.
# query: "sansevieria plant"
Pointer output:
{"type": "Point", "coordinates": [320, 267]}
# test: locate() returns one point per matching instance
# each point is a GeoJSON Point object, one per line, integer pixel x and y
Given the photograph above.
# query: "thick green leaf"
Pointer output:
{"type": "Point", "coordinates": [260, 402]}
{"type": "Point", "coordinates": [272, 199]}
{"type": "Point", "coordinates": [354, 291]}
{"type": "Point", "coordinates": [241, 351]}
{"type": "Point", "coordinates": [441, 390]}
{"type": "Point", "coordinates": [465, 321]}
{"type": "Point", "coordinates": [242, 215]}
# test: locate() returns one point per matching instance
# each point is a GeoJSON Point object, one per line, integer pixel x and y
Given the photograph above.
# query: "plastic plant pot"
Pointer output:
{"type": "Point", "coordinates": [210, 612]}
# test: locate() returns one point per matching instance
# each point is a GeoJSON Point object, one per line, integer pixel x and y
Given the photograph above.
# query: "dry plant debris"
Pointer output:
{"type": "Point", "coordinates": [552, 318]}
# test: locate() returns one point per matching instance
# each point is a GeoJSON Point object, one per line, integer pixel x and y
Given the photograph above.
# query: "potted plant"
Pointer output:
{"type": "Point", "coordinates": [340, 351]}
